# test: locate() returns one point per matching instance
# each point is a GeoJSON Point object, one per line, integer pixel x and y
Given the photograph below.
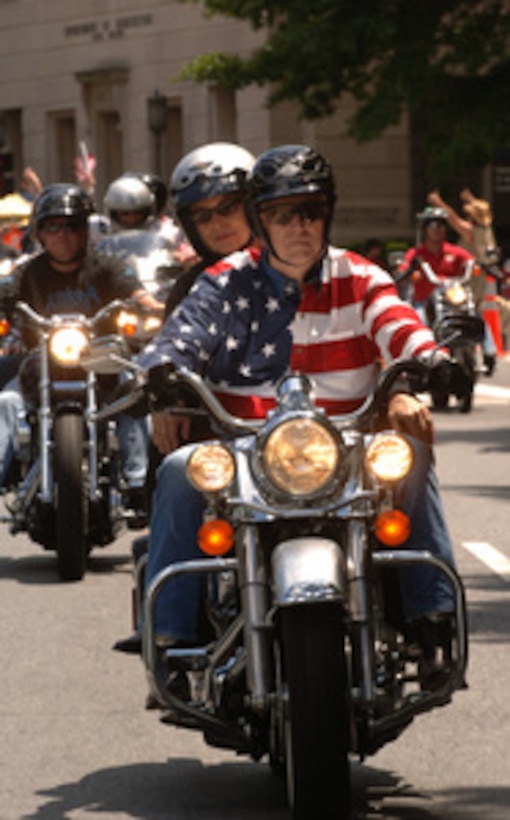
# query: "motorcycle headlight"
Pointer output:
{"type": "Point", "coordinates": [67, 344]}
{"type": "Point", "coordinates": [456, 294]}
{"type": "Point", "coordinates": [389, 457]}
{"type": "Point", "coordinates": [300, 457]}
{"type": "Point", "coordinates": [211, 468]}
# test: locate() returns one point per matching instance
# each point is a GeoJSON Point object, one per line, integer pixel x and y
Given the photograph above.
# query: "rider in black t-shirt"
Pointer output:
{"type": "Point", "coordinates": [68, 277]}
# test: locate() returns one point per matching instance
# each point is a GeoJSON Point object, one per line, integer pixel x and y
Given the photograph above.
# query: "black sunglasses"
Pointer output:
{"type": "Point", "coordinates": [201, 216]}
{"type": "Point", "coordinates": [70, 226]}
{"type": "Point", "coordinates": [309, 211]}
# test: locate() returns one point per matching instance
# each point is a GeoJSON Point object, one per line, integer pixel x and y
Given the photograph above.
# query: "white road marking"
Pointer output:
{"type": "Point", "coordinates": [492, 391]}
{"type": "Point", "coordinates": [489, 556]}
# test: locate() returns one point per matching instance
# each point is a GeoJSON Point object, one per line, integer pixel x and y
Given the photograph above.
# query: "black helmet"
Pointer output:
{"type": "Point", "coordinates": [210, 170]}
{"type": "Point", "coordinates": [155, 184]}
{"type": "Point", "coordinates": [289, 170]}
{"type": "Point", "coordinates": [62, 199]}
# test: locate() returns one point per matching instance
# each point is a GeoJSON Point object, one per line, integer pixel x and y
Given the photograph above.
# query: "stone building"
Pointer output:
{"type": "Point", "coordinates": [101, 73]}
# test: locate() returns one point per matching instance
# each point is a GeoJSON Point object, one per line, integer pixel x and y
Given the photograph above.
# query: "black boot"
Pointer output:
{"type": "Point", "coordinates": [131, 645]}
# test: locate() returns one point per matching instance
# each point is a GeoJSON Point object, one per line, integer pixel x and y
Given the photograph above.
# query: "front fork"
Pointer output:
{"type": "Point", "coordinates": [360, 605]}
{"type": "Point", "coordinates": [254, 591]}
{"type": "Point", "coordinates": [45, 429]}
{"type": "Point", "coordinates": [92, 438]}
{"type": "Point", "coordinates": [44, 417]}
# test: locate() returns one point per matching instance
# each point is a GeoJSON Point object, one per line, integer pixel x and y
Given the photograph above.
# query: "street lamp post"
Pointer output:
{"type": "Point", "coordinates": [157, 116]}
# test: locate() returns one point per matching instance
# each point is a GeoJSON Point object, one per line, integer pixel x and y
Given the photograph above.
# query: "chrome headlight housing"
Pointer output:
{"type": "Point", "coordinates": [389, 457]}
{"type": "Point", "coordinates": [299, 457]}
{"type": "Point", "coordinates": [211, 467]}
{"type": "Point", "coordinates": [66, 345]}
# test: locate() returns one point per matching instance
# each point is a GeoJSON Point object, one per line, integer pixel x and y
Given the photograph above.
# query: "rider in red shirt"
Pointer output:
{"type": "Point", "coordinates": [445, 259]}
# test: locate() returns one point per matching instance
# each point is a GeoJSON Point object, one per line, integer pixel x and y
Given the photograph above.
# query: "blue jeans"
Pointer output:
{"type": "Point", "coordinates": [177, 514]}
{"type": "Point", "coordinates": [11, 405]}
{"type": "Point", "coordinates": [134, 442]}
{"type": "Point", "coordinates": [133, 437]}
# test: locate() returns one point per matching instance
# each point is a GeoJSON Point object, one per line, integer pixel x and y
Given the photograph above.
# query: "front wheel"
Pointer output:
{"type": "Point", "coordinates": [70, 512]}
{"type": "Point", "coordinates": [316, 730]}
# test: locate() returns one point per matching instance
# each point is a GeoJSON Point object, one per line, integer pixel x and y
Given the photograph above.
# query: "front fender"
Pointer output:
{"type": "Point", "coordinates": [308, 570]}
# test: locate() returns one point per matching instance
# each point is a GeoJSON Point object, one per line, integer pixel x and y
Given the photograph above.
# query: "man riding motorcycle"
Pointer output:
{"type": "Point", "coordinates": [445, 259]}
{"type": "Point", "coordinates": [67, 276]}
{"type": "Point", "coordinates": [299, 303]}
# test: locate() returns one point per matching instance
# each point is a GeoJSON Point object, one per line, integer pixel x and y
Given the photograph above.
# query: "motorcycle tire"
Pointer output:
{"type": "Point", "coordinates": [440, 400]}
{"type": "Point", "coordinates": [316, 726]}
{"type": "Point", "coordinates": [466, 402]}
{"type": "Point", "coordinates": [70, 513]}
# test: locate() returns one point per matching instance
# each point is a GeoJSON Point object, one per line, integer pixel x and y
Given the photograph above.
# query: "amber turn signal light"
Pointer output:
{"type": "Point", "coordinates": [216, 537]}
{"type": "Point", "coordinates": [392, 528]}
{"type": "Point", "coordinates": [127, 323]}
{"type": "Point", "coordinates": [5, 327]}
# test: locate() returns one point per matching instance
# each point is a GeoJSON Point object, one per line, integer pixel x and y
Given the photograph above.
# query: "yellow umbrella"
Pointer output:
{"type": "Point", "coordinates": [15, 207]}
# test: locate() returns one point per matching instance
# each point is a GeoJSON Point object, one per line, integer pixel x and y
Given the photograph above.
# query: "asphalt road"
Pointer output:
{"type": "Point", "coordinates": [77, 743]}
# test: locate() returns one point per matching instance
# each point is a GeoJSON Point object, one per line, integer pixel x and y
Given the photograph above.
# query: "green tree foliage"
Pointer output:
{"type": "Point", "coordinates": [447, 62]}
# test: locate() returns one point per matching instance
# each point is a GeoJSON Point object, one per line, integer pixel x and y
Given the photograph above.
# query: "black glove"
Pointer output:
{"type": "Point", "coordinates": [448, 376]}
{"type": "Point", "coordinates": [165, 389]}
{"type": "Point", "coordinates": [416, 263]}
{"type": "Point", "coordinates": [161, 388]}
{"type": "Point", "coordinates": [413, 265]}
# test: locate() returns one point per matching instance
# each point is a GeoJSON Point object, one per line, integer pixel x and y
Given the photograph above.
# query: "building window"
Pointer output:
{"type": "Point", "coordinates": [64, 147]}
{"type": "Point", "coordinates": [223, 114]}
{"type": "Point", "coordinates": [110, 148]}
{"type": "Point", "coordinates": [174, 143]}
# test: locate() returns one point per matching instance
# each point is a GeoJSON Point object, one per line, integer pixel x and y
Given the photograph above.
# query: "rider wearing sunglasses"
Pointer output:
{"type": "Point", "coordinates": [68, 276]}
{"type": "Point", "coordinates": [298, 303]}
{"type": "Point", "coordinates": [208, 193]}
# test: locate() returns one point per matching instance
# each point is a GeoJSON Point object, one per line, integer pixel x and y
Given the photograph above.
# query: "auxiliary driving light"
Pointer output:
{"type": "Point", "coordinates": [389, 457]}
{"type": "Point", "coordinates": [211, 468]}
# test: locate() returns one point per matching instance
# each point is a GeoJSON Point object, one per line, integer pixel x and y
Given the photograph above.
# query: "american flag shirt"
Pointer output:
{"type": "Point", "coordinates": [243, 325]}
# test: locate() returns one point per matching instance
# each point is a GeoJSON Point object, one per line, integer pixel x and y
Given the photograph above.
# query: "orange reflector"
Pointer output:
{"type": "Point", "coordinates": [129, 329]}
{"type": "Point", "coordinates": [127, 323]}
{"type": "Point", "coordinates": [216, 537]}
{"type": "Point", "coordinates": [392, 528]}
{"type": "Point", "coordinates": [5, 327]}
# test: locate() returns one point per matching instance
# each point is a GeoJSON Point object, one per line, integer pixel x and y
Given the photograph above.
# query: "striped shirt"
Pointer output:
{"type": "Point", "coordinates": [243, 325]}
